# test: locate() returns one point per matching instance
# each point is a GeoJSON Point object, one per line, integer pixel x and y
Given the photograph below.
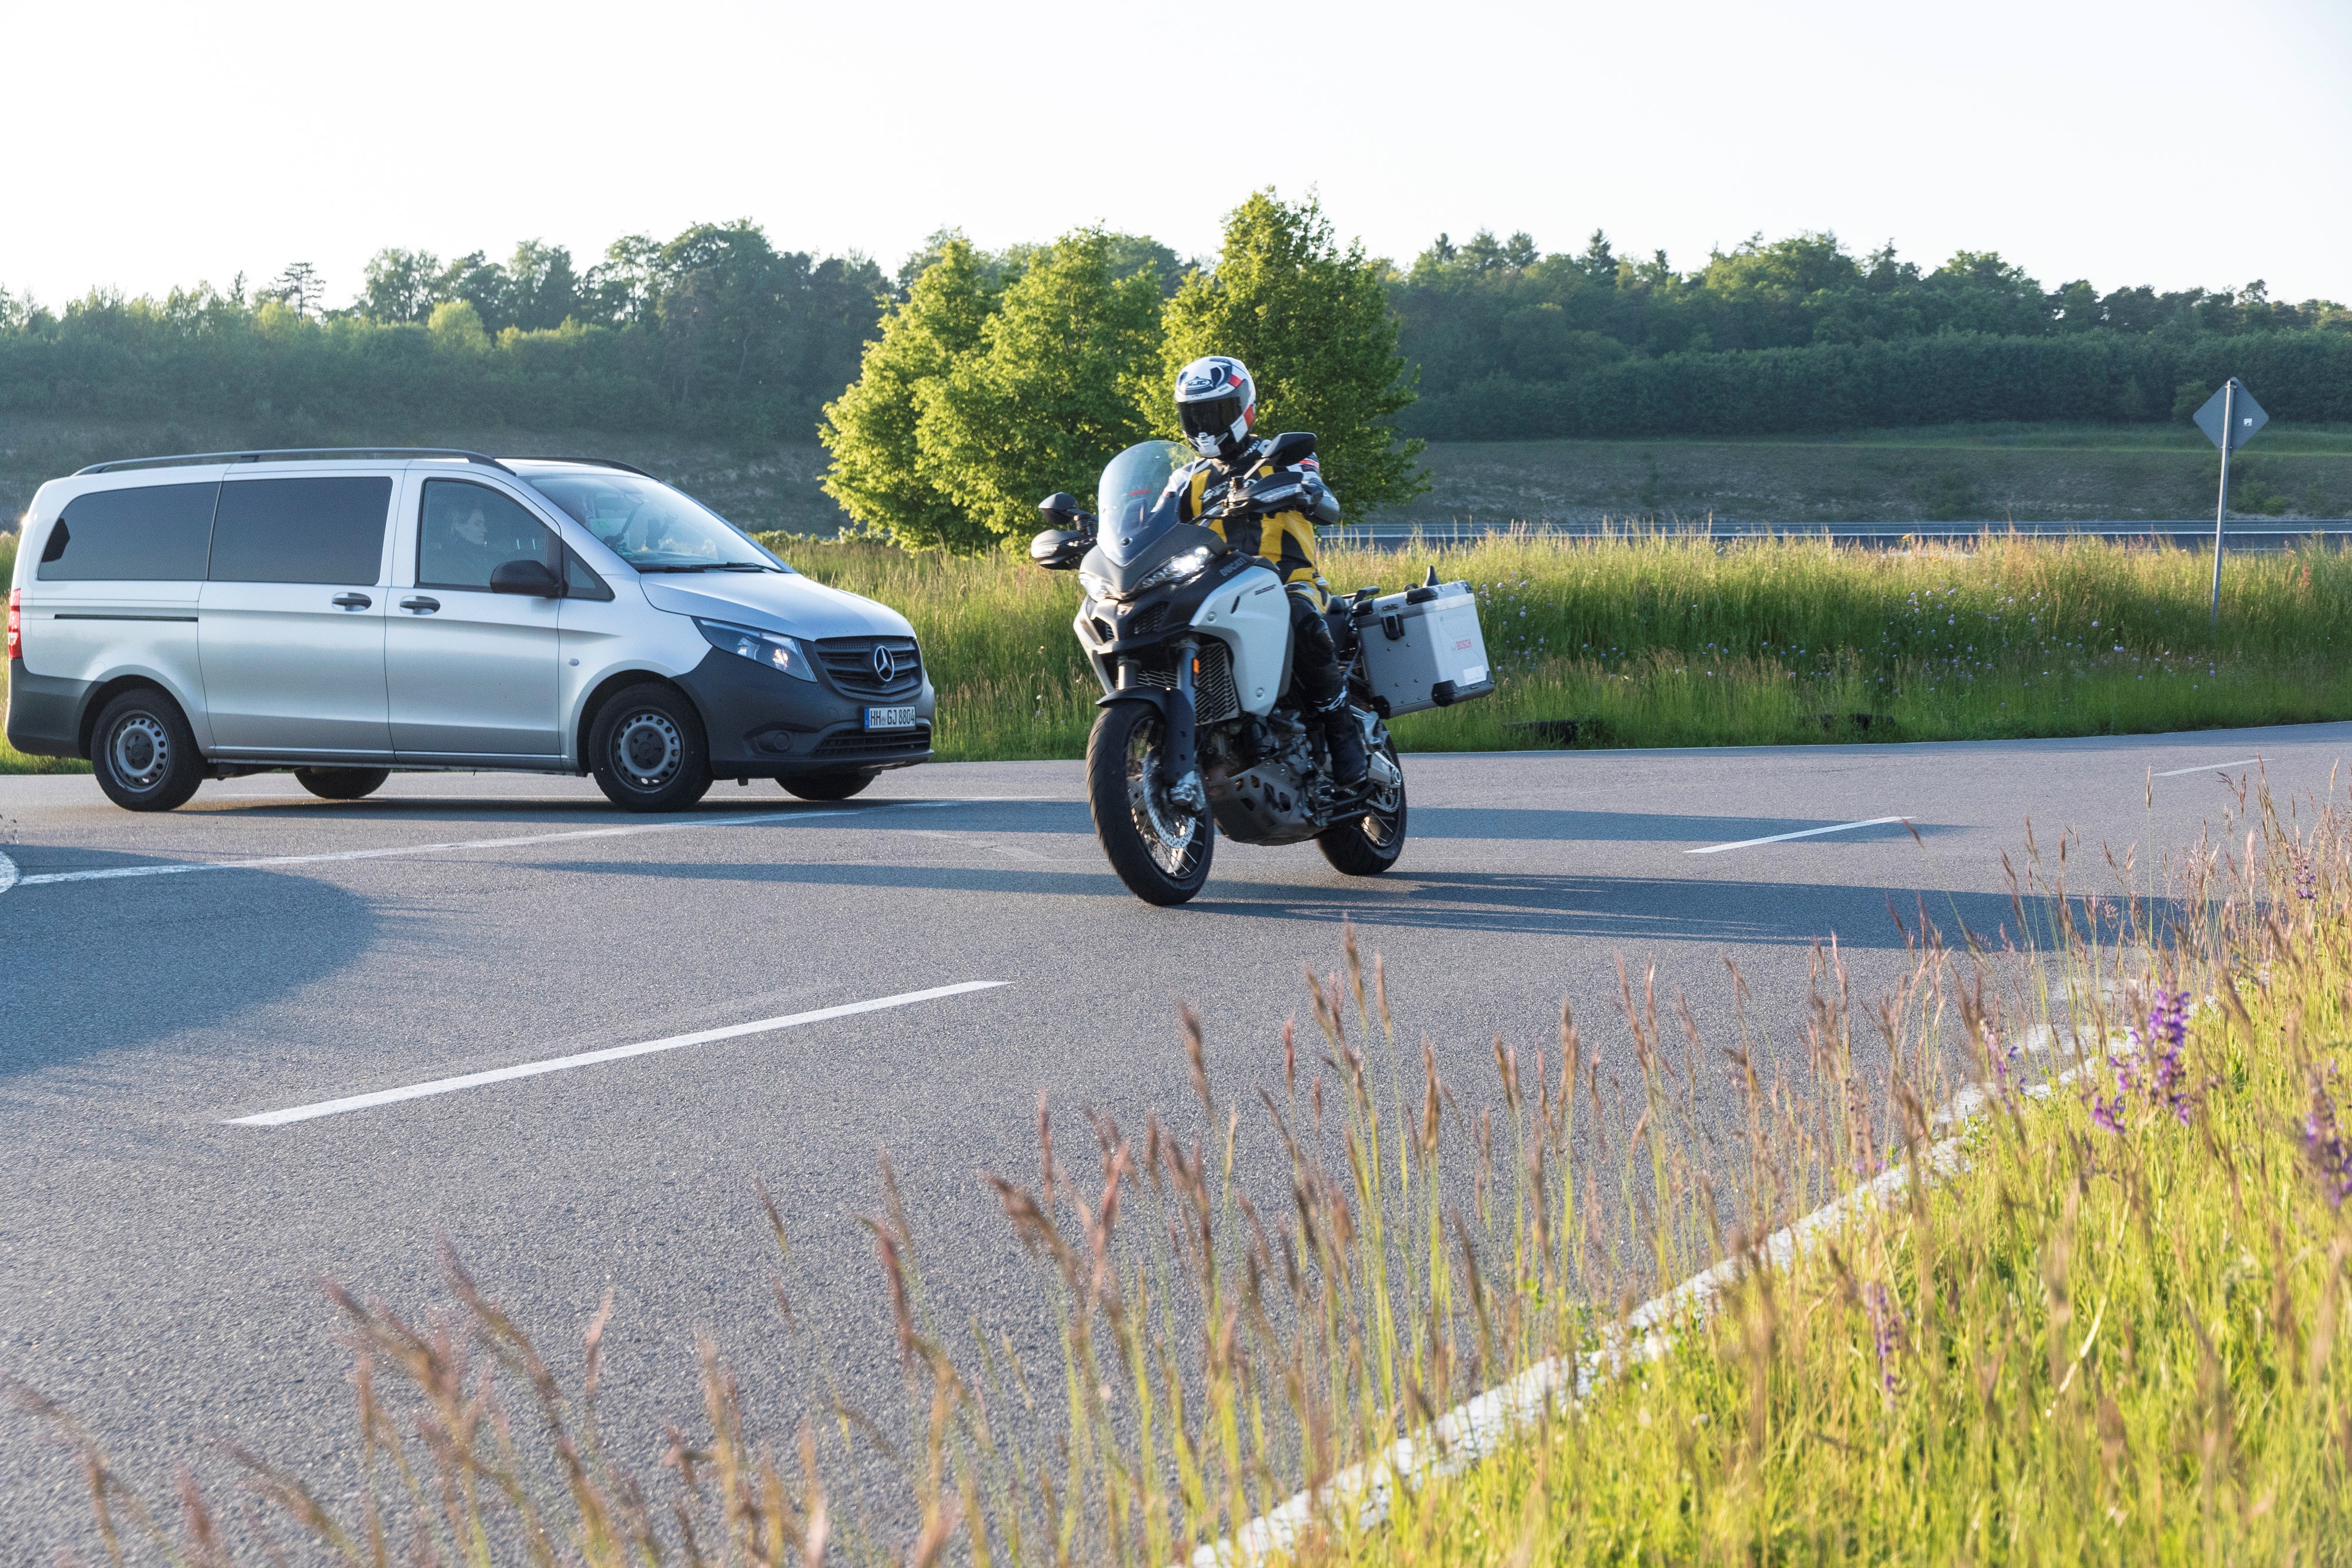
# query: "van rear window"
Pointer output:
{"type": "Point", "coordinates": [328, 529]}
{"type": "Point", "coordinates": [148, 533]}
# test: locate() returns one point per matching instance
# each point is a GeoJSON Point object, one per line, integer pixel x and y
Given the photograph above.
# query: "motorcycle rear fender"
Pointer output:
{"type": "Point", "coordinates": [1251, 615]}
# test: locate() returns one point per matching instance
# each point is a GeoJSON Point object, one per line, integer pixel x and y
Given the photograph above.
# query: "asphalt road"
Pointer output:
{"type": "Point", "coordinates": [159, 1256]}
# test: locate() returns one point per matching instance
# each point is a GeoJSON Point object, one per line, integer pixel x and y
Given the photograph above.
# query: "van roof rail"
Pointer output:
{"type": "Point", "coordinates": [292, 452]}
{"type": "Point", "coordinates": [593, 463]}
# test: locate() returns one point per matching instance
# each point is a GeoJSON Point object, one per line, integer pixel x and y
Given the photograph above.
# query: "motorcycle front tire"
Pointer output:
{"type": "Point", "coordinates": [1120, 751]}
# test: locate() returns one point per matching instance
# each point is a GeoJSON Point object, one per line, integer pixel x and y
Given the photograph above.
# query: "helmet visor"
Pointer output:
{"type": "Point", "coordinates": [1211, 416]}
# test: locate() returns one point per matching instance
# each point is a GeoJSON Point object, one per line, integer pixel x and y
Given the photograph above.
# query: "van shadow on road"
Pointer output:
{"type": "Point", "coordinates": [150, 957]}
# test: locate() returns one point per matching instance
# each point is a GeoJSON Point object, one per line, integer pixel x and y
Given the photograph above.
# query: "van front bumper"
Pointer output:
{"type": "Point", "coordinates": [45, 712]}
{"type": "Point", "coordinates": [763, 723]}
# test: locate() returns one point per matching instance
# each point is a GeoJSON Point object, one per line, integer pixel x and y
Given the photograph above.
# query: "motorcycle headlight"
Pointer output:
{"type": "Point", "coordinates": [1177, 568]}
{"type": "Point", "coordinates": [1096, 587]}
{"type": "Point", "coordinates": [774, 649]}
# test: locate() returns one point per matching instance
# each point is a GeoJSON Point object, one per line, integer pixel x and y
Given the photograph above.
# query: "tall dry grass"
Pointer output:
{"type": "Point", "coordinates": [2102, 1326]}
{"type": "Point", "coordinates": [1671, 640]}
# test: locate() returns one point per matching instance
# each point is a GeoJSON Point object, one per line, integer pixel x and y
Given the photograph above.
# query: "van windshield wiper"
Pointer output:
{"type": "Point", "coordinates": [712, 566]}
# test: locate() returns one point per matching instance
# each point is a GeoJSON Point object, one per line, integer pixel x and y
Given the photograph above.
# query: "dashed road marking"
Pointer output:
{"type": "Point", "coordinates": [593, 1058]}
{"type": "Point", "coordinates": [1800, 833]}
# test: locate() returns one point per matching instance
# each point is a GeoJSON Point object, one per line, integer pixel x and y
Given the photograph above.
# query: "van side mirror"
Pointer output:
{"type": "Point", "coordinates": [534, 579]}
{"type": "Point", "coordinates": [1289, 448]}
{"type": "Point", "coordinates": [1060, 550]}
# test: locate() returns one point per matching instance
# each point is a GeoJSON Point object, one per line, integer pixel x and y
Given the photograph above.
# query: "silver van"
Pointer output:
{"type": "Point", "coordinates": [345, 613]}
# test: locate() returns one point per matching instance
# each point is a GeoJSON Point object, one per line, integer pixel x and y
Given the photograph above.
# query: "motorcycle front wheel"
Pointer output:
{"type": "Point", "coordinates": [1160, 852]}
{"type": "Point", "coordinates": [1368, 843]}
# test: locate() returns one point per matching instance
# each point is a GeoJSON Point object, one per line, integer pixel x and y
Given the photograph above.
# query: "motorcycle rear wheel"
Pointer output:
{"type": "Point", "coordinates": [1368, 843]}
{"type": "Point", "coordinates": [1161, 852]}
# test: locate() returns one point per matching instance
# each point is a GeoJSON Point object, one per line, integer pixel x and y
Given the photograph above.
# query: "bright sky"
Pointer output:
{"type": "Point", "coordinates": [2149, 141]}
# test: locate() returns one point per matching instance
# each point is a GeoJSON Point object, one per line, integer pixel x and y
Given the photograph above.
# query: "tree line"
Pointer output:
{"type": "Point", "coordinates": [948, 390]}
{"type": "Point", "coordinates": [1511, 342]}
{"type": "Point", "coordinates": [716, 331]}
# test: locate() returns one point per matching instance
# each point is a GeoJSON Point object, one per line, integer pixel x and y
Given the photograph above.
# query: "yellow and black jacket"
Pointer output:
{"type": "Point", "coordinates": [1285, 538]}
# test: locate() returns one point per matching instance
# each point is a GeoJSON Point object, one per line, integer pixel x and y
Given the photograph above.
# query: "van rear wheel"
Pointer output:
{"type": "Point", "coordinates": [342, 783]}
{"type": "Point", "coordinates": [647, 751]}
{"type": "Point", "coordinates": [143, 752]}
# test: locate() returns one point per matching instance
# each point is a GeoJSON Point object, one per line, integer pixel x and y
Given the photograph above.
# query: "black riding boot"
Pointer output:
{"type": "Point", "coordinates": [1314, 669]}
{"type": "Point", "coordinates": [1344, 734]}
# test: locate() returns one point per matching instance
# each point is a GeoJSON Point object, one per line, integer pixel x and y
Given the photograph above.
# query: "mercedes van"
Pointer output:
{"type": "Point", "coordinates": [347, 612]}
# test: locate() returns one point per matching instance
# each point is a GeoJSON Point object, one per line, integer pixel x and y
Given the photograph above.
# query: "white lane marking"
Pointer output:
{"type": "Point", "coordinates": [1800, 833]}
{"type": "Point", "coordinates": [8, 872]}
{"type": "Point", "coordinates": [2210, 767]}
{"type": "Point", "coordinates": [175, 868]}
{"type": "Point", "coordinates": [591, 1058]}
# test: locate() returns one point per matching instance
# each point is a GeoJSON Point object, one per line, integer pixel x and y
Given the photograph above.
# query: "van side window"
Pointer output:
{"type": "Point", "coordinates": [579, 579]}
{"type": "Point", "coordinates": [149, 533]}
{"type": "Point", "coordinates": [301, 530]}
{"type": "Point", "coordinates": [469, 531]}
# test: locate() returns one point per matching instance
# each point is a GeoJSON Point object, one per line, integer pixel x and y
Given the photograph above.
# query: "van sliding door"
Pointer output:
{"type": "Point", "coordinates": [291, 630]}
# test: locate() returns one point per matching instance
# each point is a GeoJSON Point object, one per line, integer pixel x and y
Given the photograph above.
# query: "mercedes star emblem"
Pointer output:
{"type": "Point", "coordinates": [885, 668]}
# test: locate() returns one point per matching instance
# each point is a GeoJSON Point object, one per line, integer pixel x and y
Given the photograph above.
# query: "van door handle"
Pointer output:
{"type": "Point", "coordinates": [353, 600]}
{"type": "Point", "coordinates": [422, 605]}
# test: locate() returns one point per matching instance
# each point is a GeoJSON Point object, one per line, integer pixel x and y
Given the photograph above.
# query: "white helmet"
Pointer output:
{"type": "Point", "coordinates": [1216, 402]}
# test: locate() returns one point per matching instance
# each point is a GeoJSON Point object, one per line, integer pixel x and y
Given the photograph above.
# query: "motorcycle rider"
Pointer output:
{"type": "Point", "coordinates": [1217, 405]}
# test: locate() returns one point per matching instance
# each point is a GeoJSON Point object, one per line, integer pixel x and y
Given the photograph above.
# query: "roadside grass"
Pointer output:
{"type": "Point", "coordinates": [2102, 1327]}
{"type": "Point", "coordinates": [1659, 641]}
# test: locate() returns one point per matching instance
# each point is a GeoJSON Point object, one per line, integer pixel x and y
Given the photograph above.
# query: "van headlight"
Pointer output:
{"type": "Point", "coordinates": [773, 649]}
{"type": "Point", "coordinates": [1177, 568]}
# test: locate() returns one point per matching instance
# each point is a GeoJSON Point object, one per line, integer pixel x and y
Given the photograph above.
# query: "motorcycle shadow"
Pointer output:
{"type": "Point", "coordinates": [1657, 909]}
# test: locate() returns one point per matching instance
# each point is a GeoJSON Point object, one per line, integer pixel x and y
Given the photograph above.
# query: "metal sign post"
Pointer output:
{"type": "Point", "coordinates": [2229, 420]}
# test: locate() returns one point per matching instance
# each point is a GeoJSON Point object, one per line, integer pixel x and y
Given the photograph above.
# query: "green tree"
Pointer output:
{"type": "Point", "coordinates": [400, 286]}
{"type": "Point", "coordinates": [1054, 393]}
{"type": "Point", "coordinates": [1312, 322]}
{"type": "Point", "coordinates": [878, 471]}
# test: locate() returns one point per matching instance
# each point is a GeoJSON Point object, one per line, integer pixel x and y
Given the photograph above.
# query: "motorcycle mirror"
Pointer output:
{"type": "Point", "coordinates": [1290, 446]}
{"type": "Point", "coordinates": [1060, 510]}
{"type": "Point", "coordinates": [1060, 550]}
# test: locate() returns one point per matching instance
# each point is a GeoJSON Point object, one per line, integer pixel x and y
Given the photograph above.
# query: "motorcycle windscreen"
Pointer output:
{"type": "Point", "coordinates": [1128, 499]}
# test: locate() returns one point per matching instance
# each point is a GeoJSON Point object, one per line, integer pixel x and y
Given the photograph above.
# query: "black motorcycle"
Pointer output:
{"type": "Point", "coordinates": [1199, 730]}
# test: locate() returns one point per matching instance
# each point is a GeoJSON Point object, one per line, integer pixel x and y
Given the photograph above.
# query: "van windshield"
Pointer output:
{"type": "Point", "coordinates": [649, 525]}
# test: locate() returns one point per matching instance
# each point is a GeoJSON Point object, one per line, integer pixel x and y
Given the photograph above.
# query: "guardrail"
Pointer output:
{"type": "Point", "coordinates": [2188, 533]}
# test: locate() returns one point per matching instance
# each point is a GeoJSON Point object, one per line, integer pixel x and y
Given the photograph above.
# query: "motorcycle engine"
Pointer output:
{"type": "Point", "coordinates": [1263, 785]}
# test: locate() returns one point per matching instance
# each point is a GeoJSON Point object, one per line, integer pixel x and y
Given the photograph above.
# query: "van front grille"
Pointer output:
{"type": "Point", "coordinates": [849, 661]}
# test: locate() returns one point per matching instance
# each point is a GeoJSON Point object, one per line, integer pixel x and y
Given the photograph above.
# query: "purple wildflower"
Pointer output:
{"type": "Point", "coordinates": [2307, 878]}
{"type": "Point", "coordinates": [2323, 1142]}
{"type": "Point", "coordinates": [2169, 1021]}
{"type": "Point", "coordinates": [1884, 1318]}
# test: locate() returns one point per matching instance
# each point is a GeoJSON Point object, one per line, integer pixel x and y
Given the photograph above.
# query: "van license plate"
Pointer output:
{"type": "Point", "coordinates": [890, 718]}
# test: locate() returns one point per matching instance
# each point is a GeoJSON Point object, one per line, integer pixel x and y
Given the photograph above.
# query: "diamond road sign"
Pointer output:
{"type": "Point", "coordinates": [2244, 413]}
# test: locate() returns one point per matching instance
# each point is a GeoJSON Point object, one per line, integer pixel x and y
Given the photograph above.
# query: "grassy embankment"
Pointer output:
{"type": "Point", "coordinates": [2108, 1331]}
{"type": "Point", "coordinates": [1665, 643]}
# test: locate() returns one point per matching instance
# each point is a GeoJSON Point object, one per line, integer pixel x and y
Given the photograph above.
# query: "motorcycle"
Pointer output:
{"type": "Point", "coordinates": [1199, 731]}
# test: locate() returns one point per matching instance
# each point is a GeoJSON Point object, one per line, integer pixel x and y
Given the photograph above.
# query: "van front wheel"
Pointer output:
{"type": "Point", "coordinates": [144, 754]}
{"type": "Point", "coordinates": [647, 751]}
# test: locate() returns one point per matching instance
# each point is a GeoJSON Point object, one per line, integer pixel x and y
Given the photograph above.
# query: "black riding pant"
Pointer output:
{"type": "Point", "coordinates": [1314, 662]}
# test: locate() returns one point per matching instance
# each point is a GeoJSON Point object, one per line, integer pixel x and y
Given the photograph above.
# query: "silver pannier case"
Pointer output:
{"type": "Point", "coordinates": [1422, 648]}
